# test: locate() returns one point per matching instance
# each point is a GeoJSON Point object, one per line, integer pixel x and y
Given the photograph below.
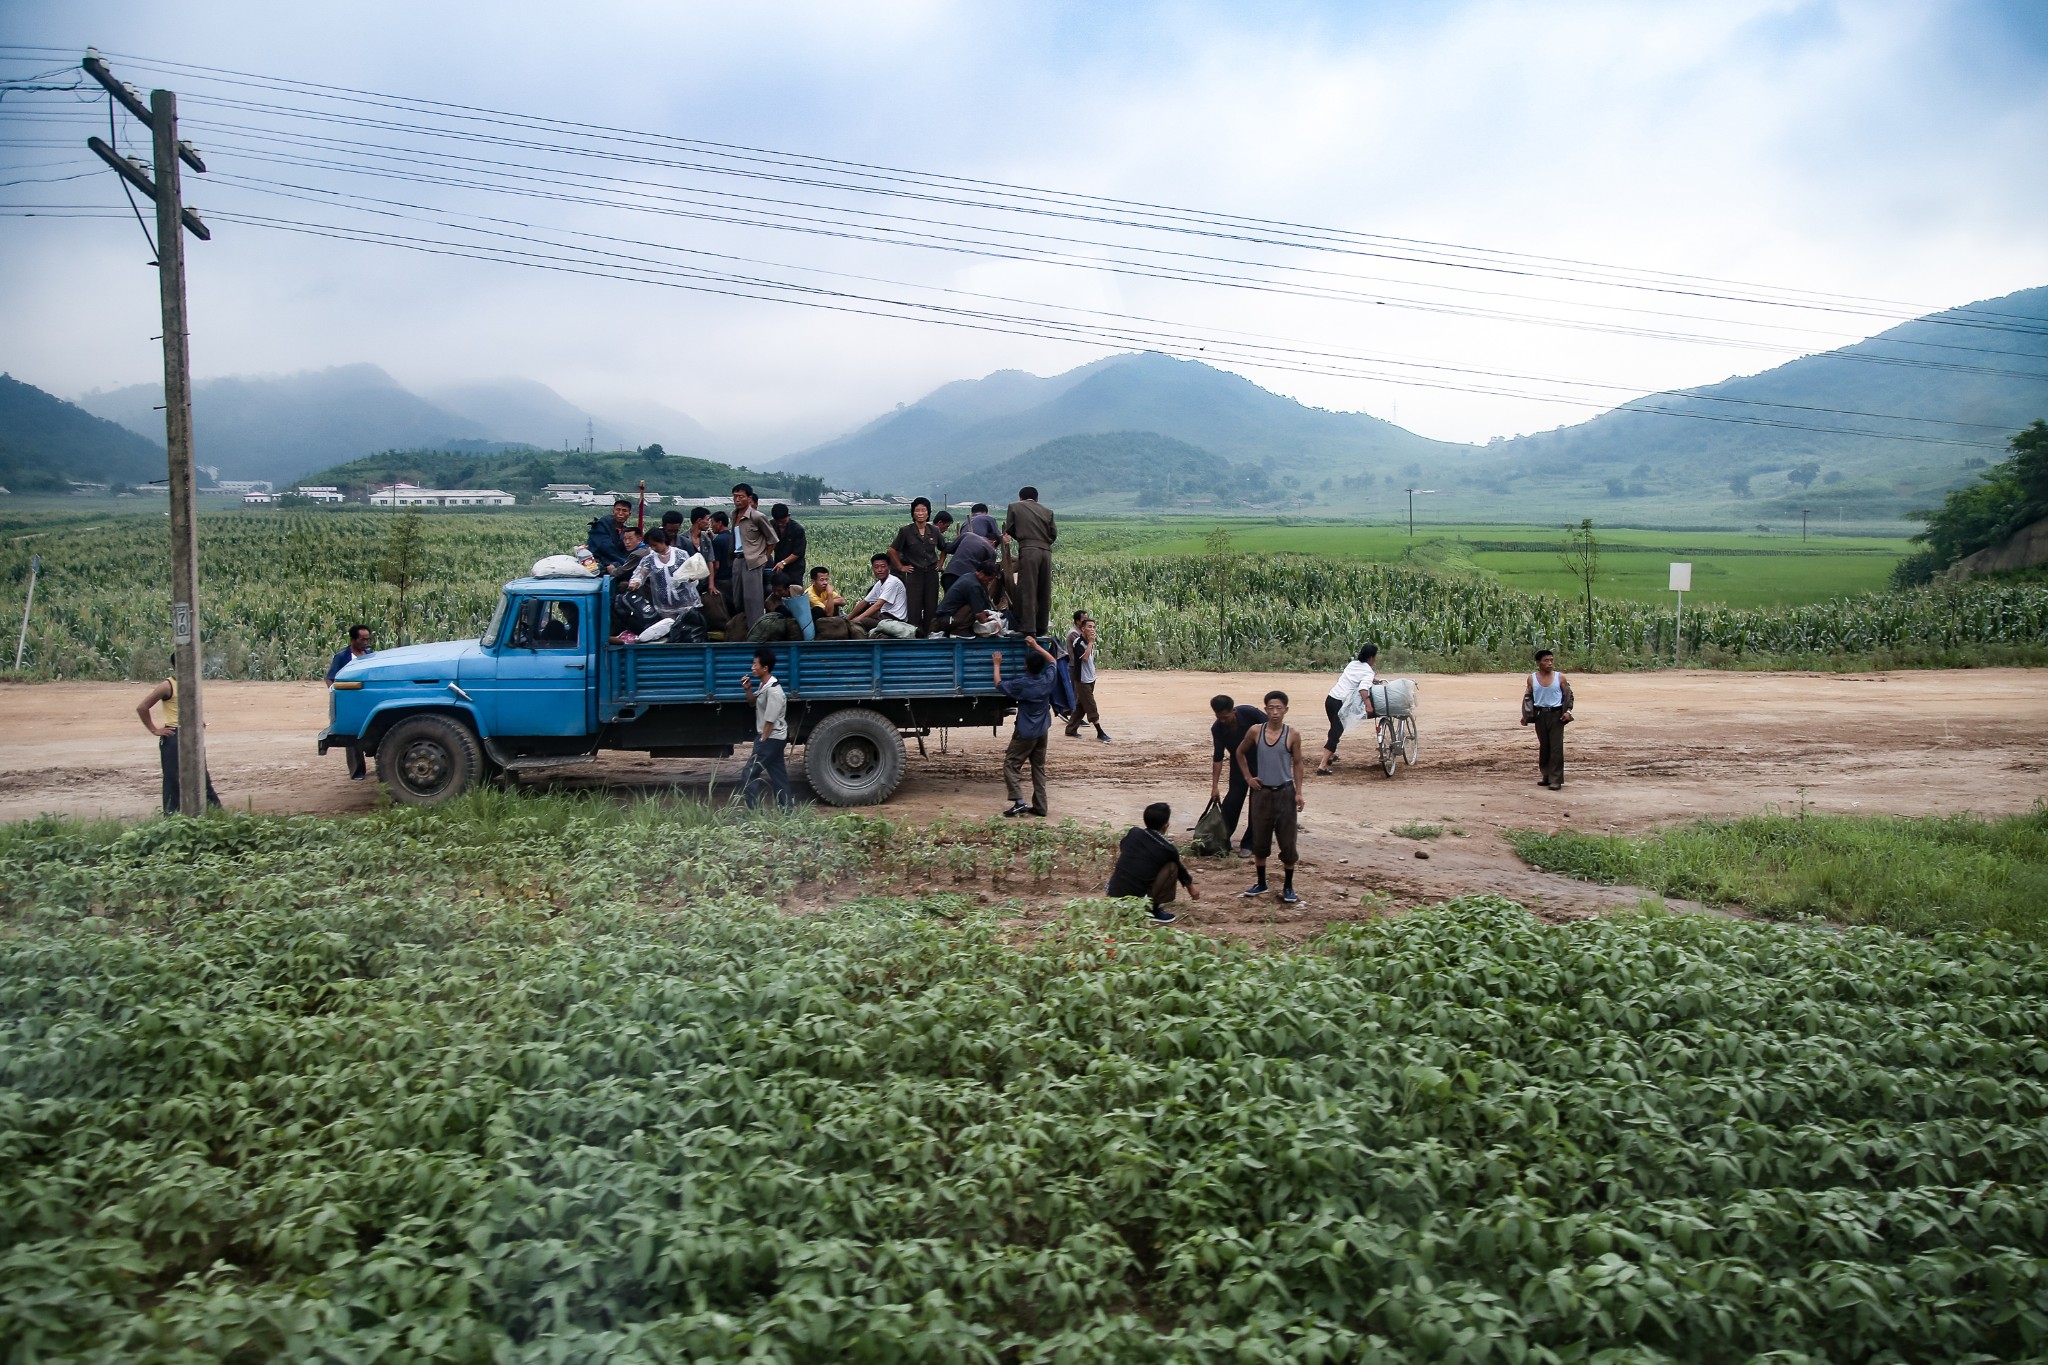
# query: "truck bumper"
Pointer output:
{"type": "Point", "coordinates": [331, 738]}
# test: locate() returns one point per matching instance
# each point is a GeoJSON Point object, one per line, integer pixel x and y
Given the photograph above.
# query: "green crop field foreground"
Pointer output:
{"type": "Point", "coordinates": [555, 1080]}
{"type": "Point", "coordinates": [281, 585]}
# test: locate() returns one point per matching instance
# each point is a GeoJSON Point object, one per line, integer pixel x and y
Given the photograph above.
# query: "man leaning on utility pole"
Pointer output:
{"type": "Point", "coordinates": [1029, 526]}
{"type": "Point", "coordinates": [166, 694]}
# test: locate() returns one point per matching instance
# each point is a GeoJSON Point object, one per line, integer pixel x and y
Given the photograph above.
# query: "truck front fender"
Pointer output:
{"type": "Point", "coordinates": [388, 714]}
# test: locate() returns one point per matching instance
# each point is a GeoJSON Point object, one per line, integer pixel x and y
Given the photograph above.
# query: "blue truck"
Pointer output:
{"type": "Point", "coordinates": [544, 687]}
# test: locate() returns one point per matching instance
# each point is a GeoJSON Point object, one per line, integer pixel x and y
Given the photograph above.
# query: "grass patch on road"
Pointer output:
{"type": "Point", "coordinates": [1916, 875]}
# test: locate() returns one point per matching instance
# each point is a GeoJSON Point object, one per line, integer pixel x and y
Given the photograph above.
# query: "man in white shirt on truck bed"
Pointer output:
{"type": "Point", "coordinates": [886, 608]}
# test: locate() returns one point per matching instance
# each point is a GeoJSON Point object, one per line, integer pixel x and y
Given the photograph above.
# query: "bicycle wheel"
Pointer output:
{"type": "Point", "coordinates": [1390, 745]}
{"type": "Point", "coordinates": [1410, 740]}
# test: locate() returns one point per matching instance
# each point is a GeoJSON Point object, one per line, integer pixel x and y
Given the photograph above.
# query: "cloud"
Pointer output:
{"type": "Point", "coordinates": [1880, 149]}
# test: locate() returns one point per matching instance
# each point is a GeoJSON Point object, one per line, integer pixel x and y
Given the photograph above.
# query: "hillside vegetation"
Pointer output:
{"type": "Point", "coordinates": [46, 442]}
{"type": "Point", "coordinates": [527, 472]}
{"type": "Point", "coordinates": [1161, 471]}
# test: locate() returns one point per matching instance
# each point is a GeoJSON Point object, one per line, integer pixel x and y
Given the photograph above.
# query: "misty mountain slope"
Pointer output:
{"type": "Point", "coordinates": [1160, 470]}
{"type": "Point", "coordinates": [1183, 399]}
{"type": "Point", "coordinates": [524, 410]}
{"type": "Point", "coordinates": [1702, 455]}
{"type": "Point", "coordinates": [46, 442]}
{"type": "Point", "coordinates": [281, 426]}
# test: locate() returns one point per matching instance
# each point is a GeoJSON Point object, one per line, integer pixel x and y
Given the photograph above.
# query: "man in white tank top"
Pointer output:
{"type": "Point", "coordinates": [1270, 757]}
{"type": "Point", "coordinates": [1547, 704]}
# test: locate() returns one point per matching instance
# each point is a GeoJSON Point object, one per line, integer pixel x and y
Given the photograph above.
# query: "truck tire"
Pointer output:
{"type": "Point", "coordinates": [854, 758]}
{"type": "Point", "coordinates": [427, 760]}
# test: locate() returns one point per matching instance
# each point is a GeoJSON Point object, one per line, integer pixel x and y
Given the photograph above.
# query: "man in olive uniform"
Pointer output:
{"type": "Point", "coordinates": [1029, 526]}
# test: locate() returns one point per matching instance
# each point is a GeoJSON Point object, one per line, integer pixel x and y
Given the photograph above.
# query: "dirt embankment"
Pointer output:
{"type": "Point", "coordinates": [1648, 749]}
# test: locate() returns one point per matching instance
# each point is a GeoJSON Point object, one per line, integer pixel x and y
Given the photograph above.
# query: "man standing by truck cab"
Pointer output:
{"type": "Point", "coordinates": [358, 648]}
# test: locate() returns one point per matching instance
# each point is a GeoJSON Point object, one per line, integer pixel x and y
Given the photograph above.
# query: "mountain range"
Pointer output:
{"type": "Point", "coordinates": [279, 427]}
{"type": "Point", "coordinates": [1866, 432]}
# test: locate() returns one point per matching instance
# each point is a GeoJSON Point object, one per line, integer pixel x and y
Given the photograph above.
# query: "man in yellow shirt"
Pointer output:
{"type": "Point", "coordinates": [166, 732]}
{"type": "Point", "coordinates": [825, 599]}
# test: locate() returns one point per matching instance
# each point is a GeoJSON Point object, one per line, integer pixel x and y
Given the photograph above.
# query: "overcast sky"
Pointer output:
{"type": "Point", "coordinates": [1886, 150]}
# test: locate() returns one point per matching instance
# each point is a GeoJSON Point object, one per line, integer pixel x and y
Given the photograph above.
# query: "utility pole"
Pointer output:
{"type": "Point", "coordinates": [35, 566]}
{"type": "Point", "coordinates": [1802, 523]}
{"type": "Point", "coordinates": [173, 220]}
{"type": "Point", "coordinates": [1412, 494]}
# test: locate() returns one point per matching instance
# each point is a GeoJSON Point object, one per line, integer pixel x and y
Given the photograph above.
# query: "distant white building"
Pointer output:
{"type": "Point", "coordinates": [322, 493]}
{"type": "Point", "coordinates": [567, 492]}
{"type": "Point", "coordinates": [405, 495]}
{"type": "Point", "coordinates": [258, 499]}
{"type": "Point", "coordinates": [242, 487]}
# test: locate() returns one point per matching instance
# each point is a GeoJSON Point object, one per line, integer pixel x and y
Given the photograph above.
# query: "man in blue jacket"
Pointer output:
{"type": "Point", "coordinates": [607, 539]}
{"type": "Point", "coordinates": [358, 648]}
{"type": "Point", "coordinates": [1033, 695]}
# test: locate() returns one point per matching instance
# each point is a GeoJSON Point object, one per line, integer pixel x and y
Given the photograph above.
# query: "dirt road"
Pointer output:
{"type": "Point", "coordinates": [1648, 749]}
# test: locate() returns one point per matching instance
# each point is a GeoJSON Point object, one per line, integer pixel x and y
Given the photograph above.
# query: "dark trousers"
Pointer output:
{"type": "Point", "coordinates": [1084, 708]}
{"type": "Point", "coordinates": [1274, 817]}
{"type": "Point", "coordinates": [753, 594]}
{"type": "Point", "coordinates": [1021, 752]}
{"type": "Point", "coordinates": [1331, 708]}
{"type": "Point", "coordinates": [921, 600]}
{"type": "Point", "coordinates": [1034, 589]}
{"type": "Point", "coordinates": [1233, 806]}
{"type": "Point", "coordinates": [767, 764]}
{"type": "Point", "coordinates": [1550, 744]}
{"type": "Point", "coordinates": [167, 756]}
{"type": "Point", "coordinates": [1164, 887]}
{"type": "Point", "coordinates": [356, 766]}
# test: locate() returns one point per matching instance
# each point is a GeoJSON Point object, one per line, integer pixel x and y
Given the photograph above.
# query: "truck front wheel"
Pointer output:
{"type": "Point", "coordinates": [854, 758]}
{"type": "Point", "coordinates": [427, 760]}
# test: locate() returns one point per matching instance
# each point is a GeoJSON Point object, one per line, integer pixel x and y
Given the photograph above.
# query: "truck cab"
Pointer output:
{"type": "Point", "coordinates": [544, 687]}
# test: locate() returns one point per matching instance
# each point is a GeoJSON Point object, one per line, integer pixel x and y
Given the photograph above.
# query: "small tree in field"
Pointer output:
{"type": "Point", "coordinates": [1581, 556]}
{"type": "Point", "coordinates": [404, 562]}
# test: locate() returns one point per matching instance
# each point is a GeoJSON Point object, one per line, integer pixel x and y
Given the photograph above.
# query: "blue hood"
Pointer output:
{"type": "Point", "coordinates": [409, 662]}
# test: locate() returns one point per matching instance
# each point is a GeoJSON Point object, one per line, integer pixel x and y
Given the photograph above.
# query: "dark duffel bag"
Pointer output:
{"type": "Point", "coordinates": [631, 611]}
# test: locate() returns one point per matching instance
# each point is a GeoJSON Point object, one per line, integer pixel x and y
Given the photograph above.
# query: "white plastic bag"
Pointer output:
{"type": "Point", "coordinates": [658, 631]}
{"type": "Point", "coordinates": [1400, 694]}
{"type": "Point", "coordinates": [561, 566]}
{"type": "Point", "coordinates": [1351, 712]}
{"type": "Point", "coordinates": [691, 570]}
{"type": "Point", "coordinates": [994, 625]}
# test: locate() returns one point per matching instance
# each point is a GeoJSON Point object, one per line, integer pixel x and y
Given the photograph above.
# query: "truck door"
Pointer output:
{"type": "Point", "coordinates": [544, 681]}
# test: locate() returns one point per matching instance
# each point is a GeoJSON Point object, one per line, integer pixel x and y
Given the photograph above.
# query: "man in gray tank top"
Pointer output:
{"type": "Point", "coordinates": [1270, 758]}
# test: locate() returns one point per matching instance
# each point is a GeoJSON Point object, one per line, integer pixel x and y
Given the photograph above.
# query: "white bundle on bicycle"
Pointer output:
{"type": "Point", "coordinates": [1394, 697]}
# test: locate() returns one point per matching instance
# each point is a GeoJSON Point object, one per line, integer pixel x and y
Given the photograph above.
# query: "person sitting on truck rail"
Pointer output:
{"type": "Point", "coordinates": [826, 600]}
{"type": "Point", "coordinates": [885, 610]}
{"type": "Point", "coordinates": [607, 546]}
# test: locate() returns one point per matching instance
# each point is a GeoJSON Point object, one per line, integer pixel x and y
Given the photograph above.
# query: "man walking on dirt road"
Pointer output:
{"type": "Point", "coordinates": [1029, 526]}
{"type": "Point", "coordinates": [166, 692]}
{"type": "Point", "coordinates": [1271, 758]}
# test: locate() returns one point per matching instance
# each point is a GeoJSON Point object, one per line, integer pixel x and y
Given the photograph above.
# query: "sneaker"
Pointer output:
{"type": "Point", "coordinates": [1288, 897]}
{"type": "Point", "coordinates": [1256, 890]}
{"type": "Point", "coordinates": [1161, 915]}
{"type": "Point", "coordinates": [1033, 810]}
{"type": "Point", "coordinates": [1100, 737]}
{"type": "Point", "coordinates": [1242, 852]}
{"type": "Point", "coordinates": [1013, 812]}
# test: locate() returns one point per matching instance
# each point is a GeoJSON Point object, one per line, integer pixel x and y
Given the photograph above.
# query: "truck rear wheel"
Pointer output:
{"type": "Point", "coordinates": [854, 758]}
{"type": "Point", "coordinates": [427, 760]}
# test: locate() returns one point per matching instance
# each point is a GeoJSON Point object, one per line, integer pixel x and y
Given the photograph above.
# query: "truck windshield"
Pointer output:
{"type": "Point", "coordinates": [490, 635]}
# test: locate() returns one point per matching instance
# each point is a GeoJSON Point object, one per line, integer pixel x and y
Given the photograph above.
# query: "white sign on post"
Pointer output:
{"type": "Point", "coordinates": [1681, 583]}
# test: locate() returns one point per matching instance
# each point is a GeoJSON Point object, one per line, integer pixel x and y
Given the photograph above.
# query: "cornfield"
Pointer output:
{"type": "Point", "coordinates": [281, 588]}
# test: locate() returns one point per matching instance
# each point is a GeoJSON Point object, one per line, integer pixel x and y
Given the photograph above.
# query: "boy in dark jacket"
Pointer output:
{"type": "Point", "coordinates": [1148, 865]}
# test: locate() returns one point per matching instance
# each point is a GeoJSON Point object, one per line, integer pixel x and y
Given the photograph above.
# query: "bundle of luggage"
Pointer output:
{"type": "Point", "coordinates": [1394, 697]}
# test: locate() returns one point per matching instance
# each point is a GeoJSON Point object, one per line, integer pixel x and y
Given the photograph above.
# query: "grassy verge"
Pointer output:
{"type": "Point", "coordinates": [1914, 875]}
{"type": "Point", "coordinates": [539, 1079]}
